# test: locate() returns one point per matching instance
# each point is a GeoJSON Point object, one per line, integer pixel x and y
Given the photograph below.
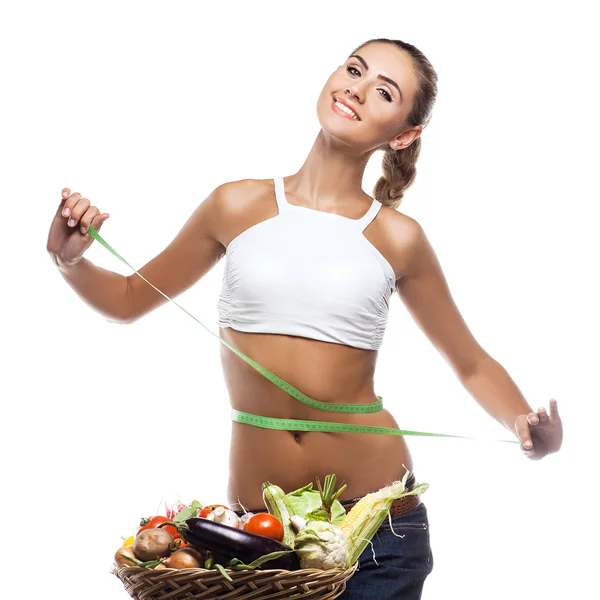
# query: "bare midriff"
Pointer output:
{"type": "Point", "coordinates": [324, 371]}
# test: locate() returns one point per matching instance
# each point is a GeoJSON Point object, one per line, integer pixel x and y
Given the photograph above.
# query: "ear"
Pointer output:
{"type": "Point", "coordinates": [406, 138]}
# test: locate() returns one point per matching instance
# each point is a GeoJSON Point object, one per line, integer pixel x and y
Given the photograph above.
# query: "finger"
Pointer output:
{"type": "Point", "coordinates": [529, 452]}
{"type": "Point", "coordinates": [553, 408]}
{"type": "Point", "coordinates": [538, 451]}
{"type": "Point", "coordinates": [99, 220]}
{"type": "Point", "coordinates": [532, 453]}
{"type": "Point", "coordinates": [87, 217]}
{"type": "Point", "coordinates": [543, 415]}
{"type": "Point", "coordinates": [63, 198]}
{"type": "Point", "coordinates": [70, 202]}
{"type": "Point", "coordinates": [522, 428]}
{"type": "Point", "coordinates": [533, 418]}
{"type": "Point", "coordinates": [78, 211]}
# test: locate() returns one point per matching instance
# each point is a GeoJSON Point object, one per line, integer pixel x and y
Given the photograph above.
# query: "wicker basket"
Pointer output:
{"type": "Point", "coordinates": [256, 584]}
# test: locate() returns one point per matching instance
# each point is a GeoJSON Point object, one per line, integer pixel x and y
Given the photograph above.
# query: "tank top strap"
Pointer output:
{"type": "Point", "coordinates": [362, 223]}
{"type": "Point", "coordinates": [280, 194]}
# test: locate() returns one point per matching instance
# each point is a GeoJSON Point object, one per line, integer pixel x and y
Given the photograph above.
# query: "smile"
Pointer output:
{"type": "Point", "coordinates": [343, 111]}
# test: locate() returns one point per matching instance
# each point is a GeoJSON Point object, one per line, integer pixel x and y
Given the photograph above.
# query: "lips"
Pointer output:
{"type": "Point", "coordinates": [347, 104]}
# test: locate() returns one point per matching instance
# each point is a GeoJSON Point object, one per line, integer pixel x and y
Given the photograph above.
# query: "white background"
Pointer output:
{"type": "Point", "coordinates": [145, 107]}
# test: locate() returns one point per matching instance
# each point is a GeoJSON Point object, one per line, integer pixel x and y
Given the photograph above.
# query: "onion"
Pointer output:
{"type": "Point", "coordinates": [185, 558]}
{"type": "Point", "coordinates": [127, 551]}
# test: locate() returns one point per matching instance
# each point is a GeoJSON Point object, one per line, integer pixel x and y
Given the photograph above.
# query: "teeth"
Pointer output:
{"type": "Point", "coordinates": [346, 109]}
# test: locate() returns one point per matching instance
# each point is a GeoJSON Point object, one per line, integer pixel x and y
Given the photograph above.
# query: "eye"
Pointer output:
{"type": "Point", "coordinates": [387, 94]}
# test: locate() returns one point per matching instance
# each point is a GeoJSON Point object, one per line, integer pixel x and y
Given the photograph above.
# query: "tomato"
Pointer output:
{"type": "Point", "coordinates": [265, 524]}
{"type": "Point", "coordinates": [208, 509]}
{"type": "Point", "coordinates": [155, 522]}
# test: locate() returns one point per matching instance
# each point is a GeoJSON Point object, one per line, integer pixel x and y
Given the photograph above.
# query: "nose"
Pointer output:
{"type": "Point", "coordinates": [355, 91]}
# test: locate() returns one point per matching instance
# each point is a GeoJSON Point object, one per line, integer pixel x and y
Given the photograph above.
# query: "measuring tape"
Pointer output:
{"type": "Point", "coordinates": [299, 425]}
{"type": "Point", "coordinates": [296, 424]}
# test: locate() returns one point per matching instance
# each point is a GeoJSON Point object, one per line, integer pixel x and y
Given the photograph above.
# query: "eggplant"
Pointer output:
{"type": "Point", "coordinates": [236, 543]}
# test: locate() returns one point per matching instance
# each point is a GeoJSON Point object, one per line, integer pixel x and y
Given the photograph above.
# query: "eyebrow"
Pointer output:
{"type": "Point", "coordinates": [380, 76]}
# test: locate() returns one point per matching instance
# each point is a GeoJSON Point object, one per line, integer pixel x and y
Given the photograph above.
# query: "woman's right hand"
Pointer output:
{"type": "Point", "coordinates": [69, 238]}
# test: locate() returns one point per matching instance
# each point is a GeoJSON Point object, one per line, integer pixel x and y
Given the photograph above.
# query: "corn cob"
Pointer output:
{"type": "Point", "coordinates": [359, 513]}
{"type": "Point", "coordinates": [365, 517]}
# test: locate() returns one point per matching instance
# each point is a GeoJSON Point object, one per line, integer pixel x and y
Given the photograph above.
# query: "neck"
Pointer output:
{"type": "Point", "coordinates": [331, 177]}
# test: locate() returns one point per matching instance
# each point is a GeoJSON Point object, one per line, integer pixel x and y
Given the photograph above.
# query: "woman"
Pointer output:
{"type": "Point", "coordinates": [312, 262]}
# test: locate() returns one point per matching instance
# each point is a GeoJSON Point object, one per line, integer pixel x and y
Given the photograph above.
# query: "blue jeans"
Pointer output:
{"type": "Point", "coordinates": [404, 563]}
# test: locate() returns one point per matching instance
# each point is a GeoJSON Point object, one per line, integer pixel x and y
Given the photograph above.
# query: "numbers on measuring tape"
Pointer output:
{"type": "Point", "coordinates": [299, 425]}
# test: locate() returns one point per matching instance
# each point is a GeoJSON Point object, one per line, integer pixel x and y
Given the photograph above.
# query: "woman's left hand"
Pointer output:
{"type": "Point", "coordinates": [540, 433]}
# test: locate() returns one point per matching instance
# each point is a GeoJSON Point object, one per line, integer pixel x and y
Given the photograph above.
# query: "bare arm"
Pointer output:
{"type": "Point", "coordinates": [425, 292]}
{"type": "Point", "coordinates": [124, 299]}
{"type": "Point", "coordinates": [99, 288]}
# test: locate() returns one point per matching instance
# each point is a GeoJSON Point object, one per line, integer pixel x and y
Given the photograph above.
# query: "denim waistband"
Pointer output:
{"type": "Point", "coordinates": [410, 482]}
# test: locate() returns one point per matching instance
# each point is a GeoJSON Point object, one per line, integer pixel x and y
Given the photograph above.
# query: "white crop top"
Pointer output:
{"type": "Point", "coordinates": [308, 273]}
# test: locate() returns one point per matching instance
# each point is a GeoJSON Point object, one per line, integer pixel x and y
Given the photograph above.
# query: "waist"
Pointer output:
{"type": "Point", "coordinates": [298, 369]}
{"type": "Point", "coordinates": [399, 506]}
{"type": "Point", "coordinates": [315, 426]}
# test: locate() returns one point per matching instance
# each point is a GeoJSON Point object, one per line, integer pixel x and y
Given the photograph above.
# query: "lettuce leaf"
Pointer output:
{"type": "Point", "coordinates": [188, 512]}
{"type": "Point", "coordinates": [305, 500]}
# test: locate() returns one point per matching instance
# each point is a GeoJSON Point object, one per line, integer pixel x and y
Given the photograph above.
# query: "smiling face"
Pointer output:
{"type": "Point", "coordinates": [378, 83]}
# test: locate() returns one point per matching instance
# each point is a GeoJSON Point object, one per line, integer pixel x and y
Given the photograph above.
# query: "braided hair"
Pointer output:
{"type": "Point", "coordinates": [399, 166]}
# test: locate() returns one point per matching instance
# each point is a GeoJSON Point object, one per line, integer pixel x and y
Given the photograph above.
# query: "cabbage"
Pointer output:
{"type": "Point", "coordinates": [305, 500]}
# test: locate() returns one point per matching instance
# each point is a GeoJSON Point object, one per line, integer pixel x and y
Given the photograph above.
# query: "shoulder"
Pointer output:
{"type": "Point", "coordinates": [236, 205]}
{"type": "Point", "coordinates": [399, 223]}
{"type": "Point", "coordinates": [404, 238]}
{"type": "Point", "coordinates": [237, 197]}
{"type": "Point", "coordinates": [242, 191]}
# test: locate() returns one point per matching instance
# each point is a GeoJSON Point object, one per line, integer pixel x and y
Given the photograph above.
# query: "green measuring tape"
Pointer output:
{"type": "Point", "coordinates": [299, 425]}
{"type": "Point", "coordinates": [295, 424]}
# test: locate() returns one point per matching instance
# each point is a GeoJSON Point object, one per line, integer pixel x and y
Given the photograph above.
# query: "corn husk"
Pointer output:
{"type": "Point", "coordinates": [365, 518]}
